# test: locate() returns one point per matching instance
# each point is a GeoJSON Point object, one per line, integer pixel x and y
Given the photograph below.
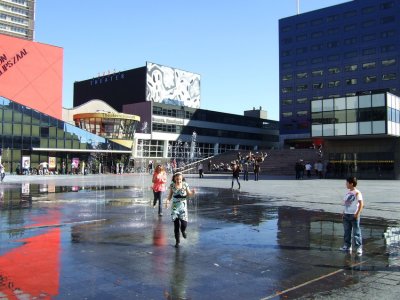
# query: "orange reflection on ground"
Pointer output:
{"type": "Point", "coordinates": [33, 269]}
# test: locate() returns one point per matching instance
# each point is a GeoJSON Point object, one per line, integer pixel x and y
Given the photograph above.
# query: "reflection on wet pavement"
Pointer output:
{"type": "Point", "coordinates": [104, 242]}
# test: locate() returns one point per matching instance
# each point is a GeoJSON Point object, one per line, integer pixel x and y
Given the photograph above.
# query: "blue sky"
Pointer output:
{"type": "Point", "coordinates": [232, 44]}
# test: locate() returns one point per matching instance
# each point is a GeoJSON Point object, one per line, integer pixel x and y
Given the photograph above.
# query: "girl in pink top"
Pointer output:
{"type": "Point", "coordinates": [159, 180]}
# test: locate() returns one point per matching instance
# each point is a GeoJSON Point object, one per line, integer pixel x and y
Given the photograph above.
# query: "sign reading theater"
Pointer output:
{"type": "Point", "coordinates": [31, 74]}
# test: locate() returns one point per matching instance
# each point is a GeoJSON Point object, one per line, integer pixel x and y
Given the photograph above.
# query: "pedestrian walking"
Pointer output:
{"type": "Point", "coordinates": [235, 174]}
{"type": "Point", "coordinates": [159, 180]}
{"type": "Point", "coordinates": [246, 171]}
{"type": "Point", "coordinates": [353, 203]}
{"type": "Point", "coordinates": [201, 171]}
{"type": "Point", "coordinates": [256, 169]}
{"type": "Point", "coordinates": [179, 190]}
{"type": "Point", "coordinates": [2, 172]}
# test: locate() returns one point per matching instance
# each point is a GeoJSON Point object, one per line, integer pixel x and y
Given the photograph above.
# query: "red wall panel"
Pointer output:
{"type": "Point", "coordinates": [31, 74]}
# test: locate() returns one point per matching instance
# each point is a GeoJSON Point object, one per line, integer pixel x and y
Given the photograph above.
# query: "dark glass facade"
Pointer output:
{"type": "Point", "coordinates": [25, 132]}
{"type": "Point", "coordinates": [340, 51]}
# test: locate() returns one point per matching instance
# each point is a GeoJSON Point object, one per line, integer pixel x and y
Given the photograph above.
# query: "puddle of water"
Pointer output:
{"type": "Point", "coordinates": [262, 248]}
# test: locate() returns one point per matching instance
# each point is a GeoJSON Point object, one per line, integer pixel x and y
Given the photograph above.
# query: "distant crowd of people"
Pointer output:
{"type": "Point", "coordinates": [303, 169]}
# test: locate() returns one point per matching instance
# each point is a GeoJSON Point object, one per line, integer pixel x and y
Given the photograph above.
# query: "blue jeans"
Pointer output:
{"type": "Point", "coordinates": [350, 223]}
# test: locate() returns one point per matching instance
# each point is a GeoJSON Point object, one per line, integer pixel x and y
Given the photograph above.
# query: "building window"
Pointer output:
{"type": "Point", "coordinates": [369, 79]}
{"type": "Point", "coordinates": [368, 23]}
{"type": "Point", "coordinates": [388, 19]}
{"type": "Point", "coordinates": [333, 57]}
{"type": "Point", "coordinates": [369, 37]}
{"type": "Point", "coordinates": [286, 53]}
{"type": "Point", "coordinates": [317, 60]}
{"type": "Point", "coordinates": [352, 81]}
{"type": "Point", "coordinates": [302, 113]}
{"type": "Point", "coordinates": [302, 75]}
{"type": "Point", "coordinates": [350, 68]}
{"type": "Point", "coordinates": [316, 106]}
{"type": "Point", "coordinates": [390, 76]}
{"type": "Point", "coordinates": [388, 62]}
{"type": "Point", "coordinates": [387, 5]}
{"type": "Point", "coordinates": [301, 63]}
{"type": "Point", "coordinates": [350, 27]}
{"type": "Point", "coordinates": [286, 28]}
{"type": "Point", "coordinates": [340, 103]}
{"type": "Point", "coordinates": [350, 54]}
{"type": "Point", "coordinates": [369, 51]}
{"type": "Point", "coordinates": [317, 34]}
{"type": "Point", "coordinates": [388, 33]}
{"type": "Point", "coordinates": [368, 10]}
{"type": "Point", "coordinates": [301, 50]}
{"type": "Point", "coordinates": [332, 84]}
{"type": "Point", "coordinates": [286, 65]}
{"type": "Point", "coordinates": [350, 41]}
{"type": "Point", "coordinates": [318, 85]}
{"type": "Point", "coordinates": [301, 37]}
{"type": "Point", "coordinates": [388, 48]}
{"type": "Point", "coordinates": [286, 90]}
{"type": "Point", "coordinates": [350, 14]}
{"type": "Point", "coordinates": [316, 47]}
{"type": "Point", "coordinates": [332, 18]}
{"type": "Point", "coordinates": [332, 44]}
{"type": "Point", "coordinates": [334, 70]}
{"type": "Point", "coordinates": [369, 65]}
{"type": "Point", "coordinates": [301, 25]}
{"type": "Point", "coordinates": [301, 100]}
{"type": "Point", "coordinates": [287, 114]}
{"type": "Point", "coordinates": [287, 40]}
{"type": "Point", "coordinates": [317, 73]}
{"type": "Point", "coordinates": [333, 30]}
{"type": "Point", "coordinates": [317, 22]}
{"type": "Point", "coordinates": [287, 77]}
{"type": "Point", "coordinates": [287, 102]}
{"type": "Point", "coordinates": [302, 87]}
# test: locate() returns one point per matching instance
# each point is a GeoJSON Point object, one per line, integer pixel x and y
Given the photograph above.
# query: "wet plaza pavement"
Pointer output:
{"type": "Point", "coordinates": [98, 237]}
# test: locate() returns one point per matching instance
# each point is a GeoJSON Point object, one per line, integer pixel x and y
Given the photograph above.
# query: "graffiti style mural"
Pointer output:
{"type": "Point", "coordinates": [172, 86]}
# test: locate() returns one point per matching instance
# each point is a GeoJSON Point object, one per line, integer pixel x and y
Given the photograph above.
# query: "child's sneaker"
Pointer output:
{"type": "Point", "coordinates": [359, 251]}
{"type": "Point", "coordinates": [345, 248]}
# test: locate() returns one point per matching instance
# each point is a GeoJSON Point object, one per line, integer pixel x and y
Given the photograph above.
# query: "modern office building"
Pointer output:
{"type": "Point", "coordinates": [342, 50]}
{"type": "Point", "coordinates": [17, 18]}
{"type": "Point", "coordinates": [171, 121]}
{"type": "Point", "coordinates": [339, 82]}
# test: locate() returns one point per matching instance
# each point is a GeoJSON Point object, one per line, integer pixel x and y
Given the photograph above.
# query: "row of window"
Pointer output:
{"type": "Point", "coordinates": [336, 70]}
{"type": "Point", "coordinates": [336, 83]}
{"type": "Point", "coordinates": [14, 19]}
{"type": "Point", "coordinates": [208, 116]}
{"type": "Point", "coordinates": [346, 28]}
{"type": "Point", "coordinates": [213, 132]}
{"type": "Point", "coordinates": [349, 116]}
{"type": "Point", "coordinates": [14, 29]}
{"type": "Point", "coordinates": [172, 112]}
{"type": "Point", "coordinates": [339, 17]}
{"type": "Point", "coordinates": [182, 150]}
{"type": "Point", "coordinates": [357, 128]}
{"type": "Point", "coordinates": [14, 9]}
{"type": "Point", "coordinates": [336, 57]}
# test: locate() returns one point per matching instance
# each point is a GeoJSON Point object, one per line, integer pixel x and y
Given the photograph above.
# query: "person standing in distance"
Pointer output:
{"type": "Point", "coordinates": [353, 204]}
